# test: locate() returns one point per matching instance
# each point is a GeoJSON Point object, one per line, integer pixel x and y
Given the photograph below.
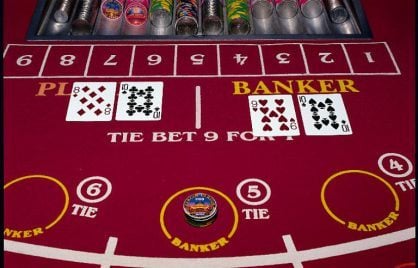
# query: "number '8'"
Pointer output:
{"type": "Point", "coordinates": [67, 60]}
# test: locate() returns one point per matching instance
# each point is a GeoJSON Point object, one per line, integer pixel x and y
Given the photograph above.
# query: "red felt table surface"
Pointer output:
{"type": "Point", "coordinates": [110, 193]}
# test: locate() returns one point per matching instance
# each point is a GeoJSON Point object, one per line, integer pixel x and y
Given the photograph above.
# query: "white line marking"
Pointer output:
{"type": "Point", "coordinates": [110, 252]}
{"type": "Point", "coordinates": [86, 69]}
{"type": "Point", "coordinates": [206, 76]}
{"type": "Point", "coordinates": [41, 69]}
{"type": "Point", "coordinates": [218, 59]}
{"type": "Point", "coordinates": [260, 53]}
{"type": "Point", "coordinates": [5, 51]}
{"type": "Point", "coordinates": [347, 58]}
{"type": "Point", "coordinates": [198, 123]}
{"type": "Point", "coordinates": [131, 64]}
{"type": "Point", "coordinates": [195, 44]}
{"type": "Point", "coordinates": [392, 57]}
{"type": "Point", "coordinates": [305, 60]}
{"type": "Point", "coordinates": [291, 248]}
{"type": "Point", "coordinates": [219, 74]}
{"type": "Point", "coordinates": [223, 262]}
{"type": "Point", "coordinates": [175, 60]}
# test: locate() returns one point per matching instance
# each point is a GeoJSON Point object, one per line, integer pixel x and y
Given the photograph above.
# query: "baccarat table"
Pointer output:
{"type": "Point", "coordinates": [280, 142]}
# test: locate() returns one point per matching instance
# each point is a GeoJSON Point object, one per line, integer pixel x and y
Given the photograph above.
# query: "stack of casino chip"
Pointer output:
{"type": "Point", "coordinates": [135, 17]}
{"type": "Point", "coordinates": [161, 12]}
{"type": "Point", "coordinates": [212, 17]}
{"type": "Point", "coordinates": [64, 10]}
{"type": "Point", "coordinates": [186, 17]}
{"type": "Point", "coordinates": [85, 17]}
{"type": "Point", "coordinates": [238, 17]}
{"type": "Point", "coordinates": [336, 10]}
{"type": "Point", "coordinates": [109, 19]}
{"type": "Point", "coordinates": [200, 209]}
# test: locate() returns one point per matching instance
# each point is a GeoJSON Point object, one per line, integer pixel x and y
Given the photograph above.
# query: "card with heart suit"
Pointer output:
{"type": "Point", "coordinates": [273, 115]}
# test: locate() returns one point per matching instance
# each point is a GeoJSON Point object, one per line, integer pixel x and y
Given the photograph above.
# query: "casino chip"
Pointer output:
{"type": "Point", "coordinates": [200, 209]}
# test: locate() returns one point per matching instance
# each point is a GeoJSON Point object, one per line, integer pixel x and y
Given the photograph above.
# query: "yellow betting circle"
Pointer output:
{"type": "Point", "coordinates": [325, 205]}
{"type": "Point", "coordinates": [62, 186]}
{"type": "Point", "coordinates": [198, 188]}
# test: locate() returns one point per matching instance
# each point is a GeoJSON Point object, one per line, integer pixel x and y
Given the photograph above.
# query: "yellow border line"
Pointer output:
{"type": "Point", "coordinates": [324, 203]}
{"type": "Point", "coordinates": [62, 186]}
{"type": "Point", "coordinates": [162, 213]}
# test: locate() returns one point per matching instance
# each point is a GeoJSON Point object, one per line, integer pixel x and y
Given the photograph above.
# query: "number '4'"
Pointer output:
{"type": "Point", "coordinates": [395, 165]}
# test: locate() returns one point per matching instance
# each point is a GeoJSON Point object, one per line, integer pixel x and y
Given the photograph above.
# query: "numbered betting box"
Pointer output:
{"type": "Point", "coordinates": [209, 134]}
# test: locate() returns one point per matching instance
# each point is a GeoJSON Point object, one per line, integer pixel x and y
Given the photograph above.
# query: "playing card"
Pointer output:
{"type": "Point", "coordinates": [91, 101]}
{"type": "Point", "coordinates": [140, 101]}
{"type": "Point", "coordinates": [273, 115]}
{"type": "Point", "coordinates": [324, 114]}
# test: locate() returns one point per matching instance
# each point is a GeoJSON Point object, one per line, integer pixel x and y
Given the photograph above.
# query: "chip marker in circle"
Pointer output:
{"type": "Point", "coordinates": [200, 209]}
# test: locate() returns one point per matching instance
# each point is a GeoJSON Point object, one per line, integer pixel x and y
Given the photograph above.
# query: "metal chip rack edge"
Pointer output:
{"type": "Point", "coordinates": [263, 19]}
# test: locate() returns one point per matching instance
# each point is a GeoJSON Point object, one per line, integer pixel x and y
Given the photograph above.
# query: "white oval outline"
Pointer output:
{"type": "Point", "coordinates": [383, 169]}
{"type": "Point", "coordinates": [87, 200]}
{"type": "Point", "coordinates": [245, 201]}
{"type": "Point", "coordinates": [295, 257]}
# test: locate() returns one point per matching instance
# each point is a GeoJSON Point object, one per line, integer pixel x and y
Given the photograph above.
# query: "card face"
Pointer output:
{"type": "Point", "coordinates": [273, 115]}
{"type": "Point", "coordinates": [91, 101]}
{"type": "Point", "coordinates": [324, 115]}
{"type": "Point", "coordinates": [140, 101]}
